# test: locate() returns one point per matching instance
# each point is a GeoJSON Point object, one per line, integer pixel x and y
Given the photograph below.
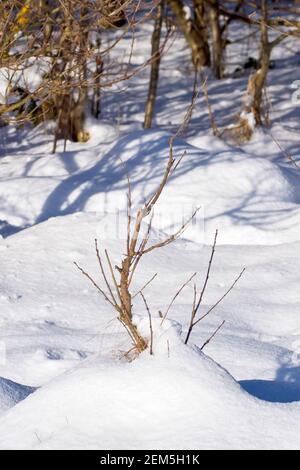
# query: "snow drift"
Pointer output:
{"type": "Point", "coordinates": [61, 336]}
{"type": "Point", "coordinates": [11, 393]}
{"type": "Point", "coordinates": [247, 197]}
{"type": "Point", "coordinates": [176, 399]}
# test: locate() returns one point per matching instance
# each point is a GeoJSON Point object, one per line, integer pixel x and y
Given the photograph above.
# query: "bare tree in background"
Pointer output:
{"type": "Point", "coordinates": [196, 37]}
{"type": "Point", "coordinates": [59, 37]}
{"type": "Point", "coordinates": [200, 18]}
{"type": "Point", "coordinates": [253, 113]}
{"type": "Point", "coordinates": [216, 39]}
{"type": "Point", "coordinates": [257, 81]}
{"type": "Point", "coordinates": [154, 74]}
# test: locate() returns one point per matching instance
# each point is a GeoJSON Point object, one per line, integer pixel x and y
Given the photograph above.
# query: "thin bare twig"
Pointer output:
{"type": "Point", "coordinates": [144, 286]}
{"type": "Point", "coordinates": [212, 336]}
{"type": "Point", "coordinates": [174, 236]}
{"type": "Point", "coordinates": [150, 323]}
{"type": "Point", "coordinates": [196, 304]}
{"type": "Point", "coordinates": [209, 108]}
{"type": "Point", "coordinates": [188, 116]}
{"type": "Point", "coordinates": [221, 298]}
{"type": "Point", "coordinates": [285, 153]}
{"type": "Point", "coordinates": [94, 284]}
{"type": "Point", "coordinates": [103, 272]}
{"type": "Point", "coordinates": [113, 275]}
{"type": "Point", "coordinates": [207, 272]}
{"type": "Point", "coordinates": [175, 296]}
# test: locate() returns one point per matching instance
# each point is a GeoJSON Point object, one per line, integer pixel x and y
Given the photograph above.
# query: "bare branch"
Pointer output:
{"type": "Point", "coordinates": [144, 286]}
{"type": "Point", "coordinates": [103, 272]}
{"type": "Point", "coordinates": [221, 298]}
{"type": "Point", "coordinates": [175, 296]}
{"type": "Point", "coordinates": [172, 237]}
{"type": "Point", "coordinates": [212, 336]}
{"type": "Point", "coordinates": [207, 272]}
{"type": "Point", "coordinates": [150, 323]}
{"type": "Point", "coordinates": [94, 284]}
{"type": "Point", "coordinates": [113, 274]}
{"type": "Point", "coordinates": [196, 304]}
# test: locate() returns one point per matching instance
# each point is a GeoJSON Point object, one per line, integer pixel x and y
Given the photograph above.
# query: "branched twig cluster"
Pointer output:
{"type": "Point", "coordinates": [69, 44]}
{"type": "Point", "coordinates": [118, 282]}
{"type": "Point", "coordinates": [197, 300]}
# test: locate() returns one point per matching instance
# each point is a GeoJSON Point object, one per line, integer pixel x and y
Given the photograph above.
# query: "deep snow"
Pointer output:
{"type": "Point", "coordinates": [58, 335]}
{"type": "Point", "coordinates": [179, 399]}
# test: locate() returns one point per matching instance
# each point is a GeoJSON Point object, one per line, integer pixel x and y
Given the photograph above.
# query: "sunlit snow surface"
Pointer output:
{"type": "Point", "coordinates": [63, 383]}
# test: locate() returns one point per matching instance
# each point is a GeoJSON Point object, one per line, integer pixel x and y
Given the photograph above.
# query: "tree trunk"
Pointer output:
{"type": "Point", "coordinates": [71, 111]}
{"type": "Point", "coordinates": [96, 103]}
{"type": "Point", "coordinates": [217, 41]}
{"type": "Point", "coordinates": [195, 38]}
{"type": "Point", "coordinates": [257, 81]}
{"type": "Point", "coordinates": [200, 18]}
{"type": "Point", "coordinates": [154, 74]}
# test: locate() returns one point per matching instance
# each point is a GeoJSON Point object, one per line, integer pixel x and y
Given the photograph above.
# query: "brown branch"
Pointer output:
{"type": "Point", "coordinates": [286, 154]}
{"type": "Point", "coordinates": [212, 336]}
{"type": "Point", "coordinates": [113, 275]}
{"type": "Point", "coordinates": [172, 237]}
{"type": "Point", "coordinates": [154, 198]}
{"type": "Point", "coordinates": [196, 304]}
{"type": "Point", "coordinates": [103, 272]}
{"type": "Point", "coordinates": [221, 298]}
{"type": "Point", "coordinates": [144, 286]}
{"type": "Point", "coordinates": [207, 272]}
{"type": "Point", "coordinates": [150, 323]}
{"type": "Point", "coordinates": [175, 296]}
{"type": "Point", "coordinates": [209, 107]}
{"type": "Point", "coordinates": [94, 284]}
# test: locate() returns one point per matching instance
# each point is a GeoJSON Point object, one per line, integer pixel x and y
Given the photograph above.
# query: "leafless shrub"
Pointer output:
{"type": "Point", "coordinates": [198, 298]}
{"type": "Point", "coordinates": [197, 301]}
{"type": "Point", "coordinates": [257, 81]}
{"type": "Point", "coordinates": [118, 282]}
{"type": "Point", "coordinates": [64, 41]}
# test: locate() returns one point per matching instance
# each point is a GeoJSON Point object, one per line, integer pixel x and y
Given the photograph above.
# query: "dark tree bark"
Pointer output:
{"type": "Point", "coordinates": [99, 67]}
{"type": "Point", "coordinates": [154, 74]}
{"type": "Point", "coordinates": [96, 104]}
{"type": "Point", "coordinates": [217, 40]}
{"type": "Point", "coordinates": [72, 100]}
{"type": "Point", "coordinates": [200, 18]}
{"type": "Point", "coordinates": [257, 81]}
{"type": "Point", "coordinates": [195, 37]}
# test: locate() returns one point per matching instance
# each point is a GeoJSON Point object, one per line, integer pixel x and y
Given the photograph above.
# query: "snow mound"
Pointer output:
{"type": "Point", "coordinates": [176, 399]}
{"type": "Point", "coordinates": [52, 317]}
{"type": "Point", "coordinates": [246, 197]}
{"type": "Point", "coordinates": [11, 393]}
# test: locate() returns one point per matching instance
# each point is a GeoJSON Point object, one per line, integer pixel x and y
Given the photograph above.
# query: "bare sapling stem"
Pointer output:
{"type": "Point", "coordinates": [154, 73]}
{"type": "Point", "coordinates": [117, 283]}
{"type": "Point", "coordinates": [212, 336]}
{"type": "Point", "coordinates": [197, 300]}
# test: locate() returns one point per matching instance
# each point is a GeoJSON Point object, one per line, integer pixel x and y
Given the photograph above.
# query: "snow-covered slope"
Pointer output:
{"type": "Point", "coordinates": [53, 322]}
{"type": "Point", "coordinates": [11, 393]}
{"type": "Point", "coordinates": [247, 197]}
{"type": "Point", "coordinates": [57, 334]}
{"type": "Point", "coordinates": [176, 399]}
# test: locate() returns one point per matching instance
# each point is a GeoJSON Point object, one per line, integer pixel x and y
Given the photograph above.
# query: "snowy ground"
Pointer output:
{"type": "Point", "coordinates": [60, 344]}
